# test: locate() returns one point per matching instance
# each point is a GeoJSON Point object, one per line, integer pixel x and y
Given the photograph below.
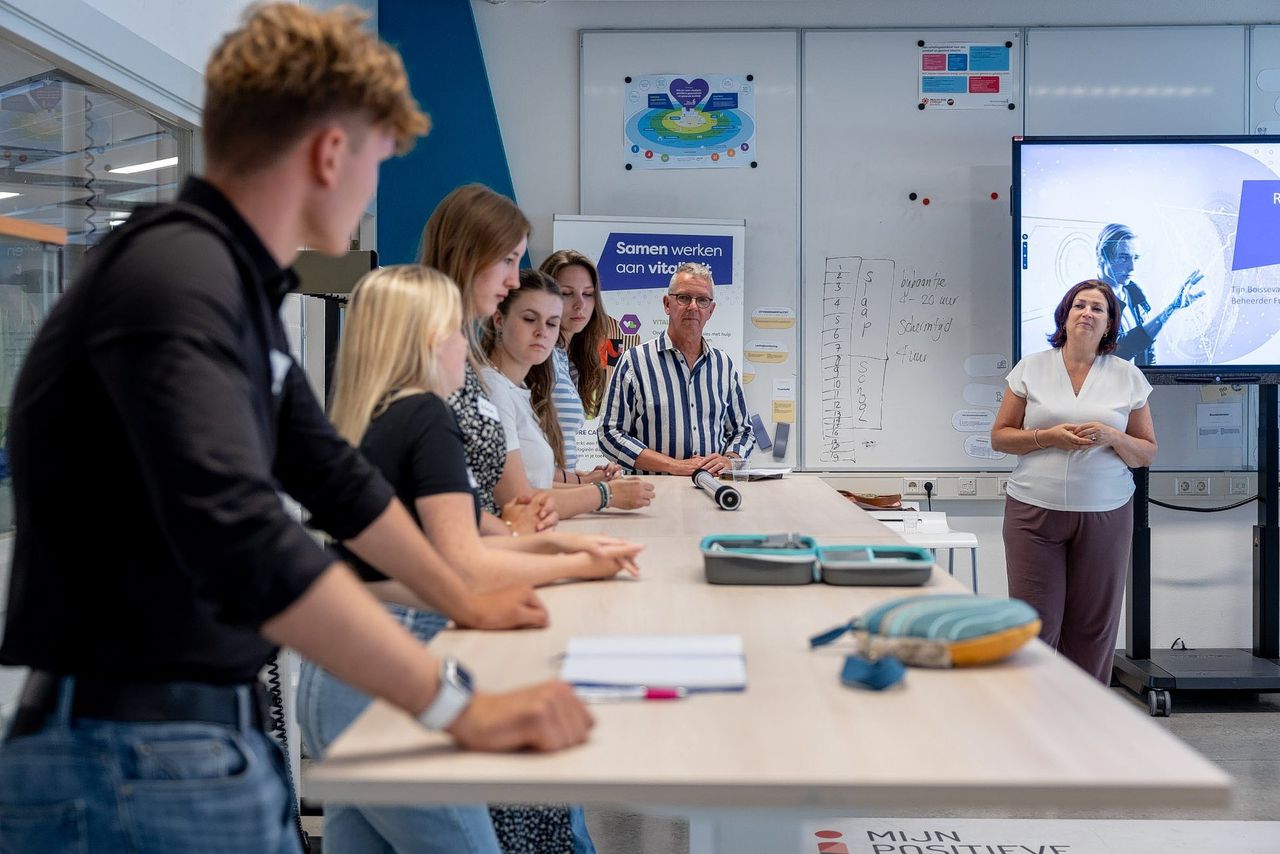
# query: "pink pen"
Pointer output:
{"type": "Point", "coordinates": [605, 694]}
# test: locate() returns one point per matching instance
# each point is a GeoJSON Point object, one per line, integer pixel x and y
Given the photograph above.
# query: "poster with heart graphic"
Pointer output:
{"type": "Point", "coordinates": [690, 121]}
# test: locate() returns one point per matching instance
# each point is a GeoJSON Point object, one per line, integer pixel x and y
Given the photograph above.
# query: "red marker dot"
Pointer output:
{"type": "Point", "coordinates": [829, 834]}
{"type": "Point", "coordinates": [926, 201]}
{"type": "Point", "coordinates": [995, 196]}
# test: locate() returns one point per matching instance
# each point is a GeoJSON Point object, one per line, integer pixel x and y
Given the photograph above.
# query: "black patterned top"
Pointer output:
{"type": "Point", "coordinates": [482, 435]}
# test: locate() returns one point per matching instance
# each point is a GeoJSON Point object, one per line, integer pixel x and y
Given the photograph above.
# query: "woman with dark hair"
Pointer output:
{"type": "Point", "coordinates": [1077, 417]}
{"type": "Point", "coordinates": [518, 342]}
{"type": "Point", "coordinates": [579, 358]}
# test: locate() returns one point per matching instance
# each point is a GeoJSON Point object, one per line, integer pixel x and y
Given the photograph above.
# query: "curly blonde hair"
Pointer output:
{"type": "Point", "coordinates": [290, 68]}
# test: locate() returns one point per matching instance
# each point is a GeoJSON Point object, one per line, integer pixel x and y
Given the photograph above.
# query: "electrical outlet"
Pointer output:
{"type": "Point", "coordinates": [915, 485]}
{"type": "Point", "coordinates": [1239, 486]}
{"type": "Point", "coordinates": [1002, 485]}
{"type": "Point", "coordinates": [1191, 486]}
{"type": "Point", "coordinates": [967, 486]}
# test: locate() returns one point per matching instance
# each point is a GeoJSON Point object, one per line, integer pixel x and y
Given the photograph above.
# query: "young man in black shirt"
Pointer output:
{"type": "Point", "coordinates": [163, 379]}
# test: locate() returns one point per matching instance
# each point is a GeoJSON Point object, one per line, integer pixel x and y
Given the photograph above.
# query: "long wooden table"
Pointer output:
{"type": "Point", "coordinates": [1031, 731]}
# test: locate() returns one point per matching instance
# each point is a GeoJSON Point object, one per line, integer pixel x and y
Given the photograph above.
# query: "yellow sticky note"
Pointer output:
{"type": "Point", "coordinates": [784, 411]}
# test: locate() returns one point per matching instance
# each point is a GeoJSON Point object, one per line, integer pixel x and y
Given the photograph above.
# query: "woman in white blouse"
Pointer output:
{"type": "Point", "coordinates": [518, 342]}
{"type": "Point", "coordinates": [1077, 417]}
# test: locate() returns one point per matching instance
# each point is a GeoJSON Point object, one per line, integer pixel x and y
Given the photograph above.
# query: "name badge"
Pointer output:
{"type": "Point", "coordinates": [280, 365]}
{"type": "Point", "coordinates": [487, 409]}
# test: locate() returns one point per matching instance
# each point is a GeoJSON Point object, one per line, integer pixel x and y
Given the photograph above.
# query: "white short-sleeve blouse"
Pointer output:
{"type": "Point", "coordinates": [515, 410]}
{"type": "Point", "coordinates": [1087, 480]}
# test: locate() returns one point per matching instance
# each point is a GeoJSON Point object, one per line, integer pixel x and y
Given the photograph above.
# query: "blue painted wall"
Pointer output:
{"type": "Point", "coordinates": [441, 50]}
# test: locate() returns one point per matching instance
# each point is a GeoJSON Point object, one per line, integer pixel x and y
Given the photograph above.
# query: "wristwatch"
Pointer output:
{"type": "Point", "coordinates": [452, 697]}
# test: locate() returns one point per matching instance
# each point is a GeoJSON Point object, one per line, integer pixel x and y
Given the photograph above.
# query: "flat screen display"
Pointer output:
{"type": "Point", "coordinates": [1185, 230]}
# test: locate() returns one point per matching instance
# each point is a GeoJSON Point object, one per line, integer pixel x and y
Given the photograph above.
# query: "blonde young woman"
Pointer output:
{"type": "Point", "coordinates": [523, 332]}
{"type": "Point", "coordinates": [402, 353]}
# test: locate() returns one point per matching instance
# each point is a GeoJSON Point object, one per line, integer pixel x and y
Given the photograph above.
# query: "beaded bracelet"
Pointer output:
{"type": "Point", "coordinates": [603, 489]}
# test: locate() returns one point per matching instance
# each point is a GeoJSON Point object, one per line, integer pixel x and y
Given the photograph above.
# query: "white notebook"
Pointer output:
{"type": "Point", "coordinates": [695, 662]}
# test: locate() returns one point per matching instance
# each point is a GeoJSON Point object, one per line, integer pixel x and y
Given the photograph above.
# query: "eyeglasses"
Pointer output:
{"type": "Point", "coordinates": [685, 299]}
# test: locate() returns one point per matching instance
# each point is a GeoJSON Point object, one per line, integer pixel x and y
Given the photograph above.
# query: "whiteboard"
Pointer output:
{"type": "Point", "coordinates": [864, 148]}
{"type": "Point", "coordinates": [1150, 80]}
{"type": "Point", "coordinates": [906, 309]}
{"type": "Point", "coordinates": [767, 197]}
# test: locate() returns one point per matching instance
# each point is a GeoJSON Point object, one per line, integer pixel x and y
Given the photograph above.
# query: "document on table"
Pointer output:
{"type": "Point", "coordinates": [694, 662]}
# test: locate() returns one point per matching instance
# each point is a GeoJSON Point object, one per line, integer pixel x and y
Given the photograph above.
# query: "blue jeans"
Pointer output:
{"type": "Point", "coordinates": [152, 788]}
{"type": "Point", "coordinates": [326, 707]}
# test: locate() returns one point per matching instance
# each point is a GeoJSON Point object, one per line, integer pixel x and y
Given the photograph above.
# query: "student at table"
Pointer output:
{"type": "Point", "coordinates": [518, 342]}
{"type": "Point", "coordinates": [579, 358]}
{"type": "Point", "coordinates": [140, 727]}
{"type": "Point", "coordinates": [477, 237]}
{"type": "Point", "coordinates": [1077, 417]}
{"type": "Point", "coordinates": [675, 404]}
{"type": "Point", "coordinates": [402, 354]}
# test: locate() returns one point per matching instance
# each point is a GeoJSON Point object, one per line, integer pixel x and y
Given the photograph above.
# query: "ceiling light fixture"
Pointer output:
{"type": "Point", "coordinates": [144, 167]}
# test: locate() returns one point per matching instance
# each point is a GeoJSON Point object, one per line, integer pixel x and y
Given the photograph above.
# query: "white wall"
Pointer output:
{"type": "Point", "coordinates": [1202, 562]}
{"type": "Point", "coordinates": [531, 53]}
{"type": "Point", "coordinates": [185, 29]}
{"type": "Point", "coordinates": [188, 30]}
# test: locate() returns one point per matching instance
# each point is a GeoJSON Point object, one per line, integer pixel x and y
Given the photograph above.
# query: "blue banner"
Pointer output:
{"type": "Point", "coordinates": [635, 261]}
{"type": "Point", "coordinates": [988, 57]}
{"type": "Point", "coordinates": [722, 101]}
{"type": "Point", "coordinates": [1259, 223]}
{"type": "Point", "coordinates": [934, 84]}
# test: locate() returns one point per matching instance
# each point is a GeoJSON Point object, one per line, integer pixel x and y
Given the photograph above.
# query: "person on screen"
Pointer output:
{"type": "Point", "coordinates": [1077, 417]}
{"type": "Point", "coordinates": [1117, 256]}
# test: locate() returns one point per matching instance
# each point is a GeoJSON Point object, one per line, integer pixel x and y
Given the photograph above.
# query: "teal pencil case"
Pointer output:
{"type": "Point", "coordinates": [759, 559]}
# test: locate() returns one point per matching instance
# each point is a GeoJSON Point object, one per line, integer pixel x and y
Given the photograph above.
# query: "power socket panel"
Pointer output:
{"type": "Point", "coordinates": [1239, 485]}
{"type": "Point", "coordinates": [1002, 486]}
{"type": "Point", "coordinates": [1191, 485]}
{"type": "Point", "coordinates": [914, 485]}
{"type": "Point", "coordinates": [967, 486]}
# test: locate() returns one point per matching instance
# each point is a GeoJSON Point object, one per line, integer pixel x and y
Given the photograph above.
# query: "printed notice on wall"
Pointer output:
{"type": "Point", "coordinates": [784, 400]}
{"type": "Point", "coordinates": [1220, 425]}
{"type": "Point", "coordinates": [689, 121]}
{"type": "Point", "coordinates": [965, 76]}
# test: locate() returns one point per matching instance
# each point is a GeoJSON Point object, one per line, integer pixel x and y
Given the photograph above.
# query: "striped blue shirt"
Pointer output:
{"type": "Point", "coordinates": [655, 401]}
{"type": "Point", "coordinates": [564, 397]}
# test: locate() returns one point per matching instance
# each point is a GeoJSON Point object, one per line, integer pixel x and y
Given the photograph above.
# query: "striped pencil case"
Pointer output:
{"type": "Point", "coordinates": [940, 631]}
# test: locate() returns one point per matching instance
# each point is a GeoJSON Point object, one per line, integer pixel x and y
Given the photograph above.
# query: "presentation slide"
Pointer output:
{"type": "Point", "coordinates": [1185, 232]}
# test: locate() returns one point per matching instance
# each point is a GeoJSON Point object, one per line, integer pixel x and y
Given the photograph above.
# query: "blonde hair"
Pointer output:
{"type": "Point", "coordinates": [472, 228]}
{"type": "Point", "coordinates": [396, 320]}
{"type": "Point", "coordinates": [287, 70]}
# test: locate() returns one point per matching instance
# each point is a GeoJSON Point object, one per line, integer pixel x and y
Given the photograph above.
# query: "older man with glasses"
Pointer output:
{"type": "Point", "coordinates": [675, 404]}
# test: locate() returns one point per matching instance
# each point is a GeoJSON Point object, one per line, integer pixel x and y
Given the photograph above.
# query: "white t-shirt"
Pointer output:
{"type": "Point", "coordinates": [1089, 480]}
{"type": "Point", "coordinates": [524, 434]}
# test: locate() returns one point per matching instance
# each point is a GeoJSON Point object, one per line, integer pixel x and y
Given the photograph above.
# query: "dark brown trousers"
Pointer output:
{"type": "Point", "coordinates": [1070, 566]}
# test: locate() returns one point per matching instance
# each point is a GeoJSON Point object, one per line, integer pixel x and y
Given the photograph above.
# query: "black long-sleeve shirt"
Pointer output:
{"type": "Point", "coordinates": [155, 421]}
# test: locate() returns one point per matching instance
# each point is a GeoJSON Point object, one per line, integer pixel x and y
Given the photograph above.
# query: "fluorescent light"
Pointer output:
{"type": "Point", "coordinates": [9, 195]}
{"type": "Point", "coordinates": [144, 167]}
